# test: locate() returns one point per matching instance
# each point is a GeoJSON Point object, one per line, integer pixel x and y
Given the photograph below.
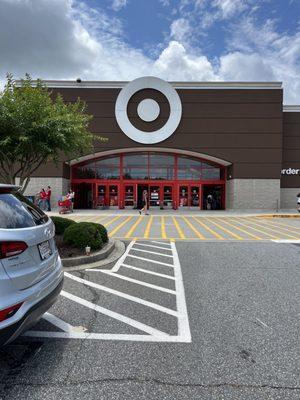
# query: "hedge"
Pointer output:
{"type": "Point", "coordinates": [61, 224]}
{"type": "Point", "coordinates": [83, 234]}
{"type": "Point", "coordinates": [101, 229]}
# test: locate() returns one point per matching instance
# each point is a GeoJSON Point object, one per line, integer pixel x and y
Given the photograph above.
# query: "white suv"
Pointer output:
{"type": "Point", "coordinates": [31, 275]}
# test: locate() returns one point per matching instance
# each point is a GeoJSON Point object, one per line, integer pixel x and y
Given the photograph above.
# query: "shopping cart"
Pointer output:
{"type": "Point", "coordinates": [64, 206]}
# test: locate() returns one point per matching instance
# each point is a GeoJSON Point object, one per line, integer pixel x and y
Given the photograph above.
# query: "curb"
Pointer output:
{"type": "Point", "coordinates": [116, 252]}
{"type": "Point", "coordinates": [99, 255]}
{"type": "Point", "coordinates": [278, 216]}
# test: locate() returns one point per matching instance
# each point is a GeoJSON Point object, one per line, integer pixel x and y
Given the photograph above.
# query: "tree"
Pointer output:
{"type": "Point", "coordinates": [35, 128]}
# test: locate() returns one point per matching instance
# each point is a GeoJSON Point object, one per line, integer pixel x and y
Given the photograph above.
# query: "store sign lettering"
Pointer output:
{"type": "Point", "coordinates": [290, 171]}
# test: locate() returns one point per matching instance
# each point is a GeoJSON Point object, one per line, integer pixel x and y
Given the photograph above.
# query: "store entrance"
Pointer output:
{"type": "Point", "coordinates": [140, 190]}
{"type": "Point", "coordinates": [213, 197]}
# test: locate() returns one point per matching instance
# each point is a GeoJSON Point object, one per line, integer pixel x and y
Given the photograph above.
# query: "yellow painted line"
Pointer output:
{"type": "Point", "coordinates": [163, 228]}
{"type": "Point", "coordinates": [215, 234]}
{"type": "Point", "coordinates": [238, 237]}
{"type": "Point", "coordinates": [132, 229]}
{"type": "Point", "coordinates": [111, 221]}
{"type": "Point", "coordinates": [114, 231]}
{"type": "Point", "coordinates": [242, 230]}
{"type": "Point", "coordinates": [200, 236]}
{"type": "Point", "coordinates": [289, 228]}
{"type": "Point", "coordinates": [181, 234]}
{"type": "Point", "coordinates": [148, 227]}
{"type": "Point", "coordinates": [254, 229]}
{"type": "Point", "coordinates": [272, 229]}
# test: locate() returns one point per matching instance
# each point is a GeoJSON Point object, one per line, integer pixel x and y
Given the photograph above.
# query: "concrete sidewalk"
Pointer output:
{"type": "Point", "coordinates": [190, 212]}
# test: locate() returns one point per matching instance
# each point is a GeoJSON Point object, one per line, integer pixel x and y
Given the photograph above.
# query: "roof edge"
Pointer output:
{"type": "Point", "coordinates": [291, 108]}
{"type": "Point", "coordinates": [176, 84]}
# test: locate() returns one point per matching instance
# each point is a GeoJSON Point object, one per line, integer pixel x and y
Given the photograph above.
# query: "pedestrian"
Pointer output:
{"type": "Point", "coordinates": [145, 203]}
{"type": "Point", "coordinates": [42, 199]}
{"type": "Point", "coordinates": [48, 199]}
{"type": "Point", "coordinates": [71, 196]}
{"type": "Point", "coordinates": [298, 201]}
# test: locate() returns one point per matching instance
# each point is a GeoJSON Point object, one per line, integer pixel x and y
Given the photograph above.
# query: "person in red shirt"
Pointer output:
{"type": "Point", "coordinates": [48, 199]}
{"type": "Point", "coordinates": [42, 199]}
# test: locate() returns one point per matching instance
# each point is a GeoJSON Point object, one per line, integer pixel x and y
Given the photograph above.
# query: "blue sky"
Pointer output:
{"type": "Point", "coordinates": [198, 40]}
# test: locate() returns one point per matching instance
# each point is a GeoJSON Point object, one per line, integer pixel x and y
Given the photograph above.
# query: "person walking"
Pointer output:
{"type": "Point", "coordinates": [48, 199]}
{"type": "Point", "coordinates": [42, 199]}
{"type": "Point", "coordinates": [298, 201]}
{"type": "Point", "coordinates": [145, 203]}
{"type": "Point", "coordinates": [71, 196]}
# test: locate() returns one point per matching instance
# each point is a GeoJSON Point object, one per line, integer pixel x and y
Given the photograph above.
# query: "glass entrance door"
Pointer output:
{"type": "Point", "coordinates": [183, 196]}
{"type": "Point", "coordinates": [154, 196]}
{"type": "Point", "coordinates": [168, 196]}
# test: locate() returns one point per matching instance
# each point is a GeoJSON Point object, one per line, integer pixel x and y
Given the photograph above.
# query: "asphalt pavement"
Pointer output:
{"type": "Point", "coordinates": [172, 320]}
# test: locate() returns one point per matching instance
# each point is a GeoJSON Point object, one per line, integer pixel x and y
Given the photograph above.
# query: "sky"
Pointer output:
{"type": "Point", "coordinates": [176, 40]}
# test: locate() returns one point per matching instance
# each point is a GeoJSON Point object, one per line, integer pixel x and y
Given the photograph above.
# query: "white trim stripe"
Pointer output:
{"type": "Point", "coordinates": [58, 322]}
{"type": "Point", "coordinates": [114, 315]}
{"type": "Point", "coordinates": [123, 295]}
{"type": "Point", "coordinates": [153, 246]}
{"type": "Point", "coordinates": [121, 259]}
{"type": "Point", "coordinates": [152, 252]}
{"type": "Point", "coordinates": [138, 282]}
{"type": "Point", "coordinates": [151, 261]}
{"type": "Point", "coordinates": [147, 271]}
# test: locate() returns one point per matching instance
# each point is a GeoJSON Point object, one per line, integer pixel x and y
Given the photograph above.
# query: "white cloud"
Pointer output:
{"type": "Point", "coordinates": [117, 5]}
{"type": "Point", "coordinates": [74, 40]}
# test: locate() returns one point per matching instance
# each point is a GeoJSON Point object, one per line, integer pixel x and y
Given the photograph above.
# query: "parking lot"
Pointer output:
{"type": "Point", "coordinates": [171, 320]}
{"type": "Point", "coordinates": [195, 227]}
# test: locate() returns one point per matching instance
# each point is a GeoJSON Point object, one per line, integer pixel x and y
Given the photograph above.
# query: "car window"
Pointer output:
{"type": "Point", "coordinates": [17, 212]}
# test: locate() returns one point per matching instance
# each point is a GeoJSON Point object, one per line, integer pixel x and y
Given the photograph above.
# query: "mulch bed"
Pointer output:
{"type": "Point", "coordinates": [66, 251]}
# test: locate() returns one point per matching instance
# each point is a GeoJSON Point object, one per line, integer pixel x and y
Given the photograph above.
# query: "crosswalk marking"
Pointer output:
{"type": "Point", "coordinates": [148, 227]}
{"type": "Point", "coordinates": [200, 236]}
{"type": "Point", "coordinates": [241, 230]}
{"type": "Point", "coordinates": [225, 229]}
{"type": "Point", "coordinates": [163, 228]}
{"type": "Point", "coordinates": [181, 234]}
{"type": "Point", "coordinates": [215, 234]}
{"type": "Point", "coordinates": [205, 227]}
{"type": "Point", "coordinates": [134, 226]}
{"type": "Point", "coordinates": [255, 229]}
{"type": "Point", "coordinates": [114, 231]}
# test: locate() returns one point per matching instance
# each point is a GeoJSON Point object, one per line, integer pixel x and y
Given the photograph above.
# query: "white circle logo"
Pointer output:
{"type": "Point", "coordinates": [148, 110]}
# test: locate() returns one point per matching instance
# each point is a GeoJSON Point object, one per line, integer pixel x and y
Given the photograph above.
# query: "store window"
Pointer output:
{"type": "Point", "coordinates": [188, 168]}
{"type": "Point", "coordinates": [135, 166]}
{"type": "Point", "coordinates": [161, 166]}
{"type": "Point", "coordinates": [108, 168]}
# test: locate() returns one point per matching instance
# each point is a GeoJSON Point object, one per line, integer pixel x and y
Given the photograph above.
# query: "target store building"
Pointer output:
{"type": "Point", "coordinates": [193, 145]}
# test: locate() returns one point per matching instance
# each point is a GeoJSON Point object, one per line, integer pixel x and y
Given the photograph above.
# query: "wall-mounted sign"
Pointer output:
{"type": "Point", "coordinates": [290, 171]}
{"type": "Point", "coordinates": [148, 110]}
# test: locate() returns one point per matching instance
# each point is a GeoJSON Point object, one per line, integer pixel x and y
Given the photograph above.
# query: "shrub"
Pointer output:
{"type": "Point", "coordinates": [61, 224]}
{"type": "Point", "coordinates": [83, 234]}
{"type": "Point", "coordinates": [102, 230]}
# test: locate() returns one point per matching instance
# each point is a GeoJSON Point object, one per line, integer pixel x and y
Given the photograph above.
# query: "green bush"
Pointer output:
{"type": "Point", "coordinates": [102, 230]}
{"type": "Point", "coordinates": [61, 224]}
{"type": "Point", "coordinates": [83, 234]}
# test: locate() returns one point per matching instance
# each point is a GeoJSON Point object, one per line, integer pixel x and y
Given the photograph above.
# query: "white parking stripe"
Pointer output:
{"type": "Point", "coordinates": [106, 336]}
{"type": "Point", "coordinates": [165, 243]}
{"type": "Point", "coordinates": [58, 322]}
{"type": "Point", "coordinates": [142, 283]}
{"type": "Point", "coordinates": [115, 315]}
{"type": "Point", "coordinates": [183, 320]}
{"type": "Point", "coordinates": [124, 295]}
{"type": "Point", "coordinates": [153, 246]}
{"type": "Point", "coordinates": [147, 271]}
{"type": "Point", "coordinates": [121, 259]}
{"type": "Point", "coordinates": [152, 252]}
{"type": "Point", "coordinates": [151, 261]}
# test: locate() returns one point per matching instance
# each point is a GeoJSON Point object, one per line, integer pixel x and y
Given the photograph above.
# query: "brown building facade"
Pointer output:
{"type": "Point", "coordinates": [199, 145]}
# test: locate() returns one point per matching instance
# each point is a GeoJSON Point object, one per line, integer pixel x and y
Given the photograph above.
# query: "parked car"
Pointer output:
{"type": "Point", "coordinates": [31, 275]}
